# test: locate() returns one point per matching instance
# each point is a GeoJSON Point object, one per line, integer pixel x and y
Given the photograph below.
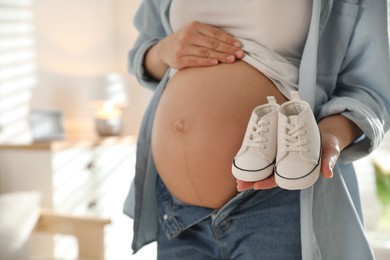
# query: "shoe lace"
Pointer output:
{"type": "Point", "coordinates": [256, 137]}
{"type": "Point", "coordinates": [294, 138]}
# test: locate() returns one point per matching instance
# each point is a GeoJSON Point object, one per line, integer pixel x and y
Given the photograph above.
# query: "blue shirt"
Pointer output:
{"type": "Point", "coordinates": [345, 69]}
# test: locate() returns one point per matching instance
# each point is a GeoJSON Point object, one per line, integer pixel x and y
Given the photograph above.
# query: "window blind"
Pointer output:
{"type": "Point", "coordinates": [17, 68]}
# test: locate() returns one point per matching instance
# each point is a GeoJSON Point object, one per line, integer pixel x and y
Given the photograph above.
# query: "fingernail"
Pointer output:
{"type": "Point", "coordinates": [230, 58]}
{"type": "Point", "coordinates": [239, 54]}
{"type": "Point", "coordinates": [237, 43]}
{"type": "Point", "coordinates": [331, 170]}
{"type": "Point", "coordinates": [214, 62]}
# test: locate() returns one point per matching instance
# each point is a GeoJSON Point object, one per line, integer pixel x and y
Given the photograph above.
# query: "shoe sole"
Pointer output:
{"type": "Point", "coordinates": [298, 183]}
{"type": "Point", "coordinates": [252, 175]}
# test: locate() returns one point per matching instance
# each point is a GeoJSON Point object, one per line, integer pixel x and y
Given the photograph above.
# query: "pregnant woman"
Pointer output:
{"type": "Point", "coordinates": [210, 63]}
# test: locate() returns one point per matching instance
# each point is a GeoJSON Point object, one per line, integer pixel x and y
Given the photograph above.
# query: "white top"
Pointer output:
{"type": "Point", "coordinates": [272, 32]}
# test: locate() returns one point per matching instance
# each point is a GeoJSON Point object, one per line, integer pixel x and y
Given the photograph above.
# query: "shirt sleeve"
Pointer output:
{"type": "Point", "coordinates": [148, 21]}
{"type": "Point", "coordinates": [363, 86]}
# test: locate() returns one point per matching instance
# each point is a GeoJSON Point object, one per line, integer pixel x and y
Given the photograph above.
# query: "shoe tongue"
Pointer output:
{"type": "Point", "coordinates": [293, 120]}
{"type": "Point", "coordinates": [254, 117]}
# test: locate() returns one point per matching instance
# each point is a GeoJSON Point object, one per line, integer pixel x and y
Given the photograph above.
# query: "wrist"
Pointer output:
{"type": "Point", "coordinates": [343, 129]}
{"type": "Point", "coordinates": [154, 63]}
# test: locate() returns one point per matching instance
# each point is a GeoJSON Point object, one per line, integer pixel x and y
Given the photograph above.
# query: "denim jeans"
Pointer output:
{"type": "Point", "coordinates": [253, 225]}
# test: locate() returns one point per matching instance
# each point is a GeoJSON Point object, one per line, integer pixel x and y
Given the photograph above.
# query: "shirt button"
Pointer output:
{"type": "Point", "coordinates": [165, 217]}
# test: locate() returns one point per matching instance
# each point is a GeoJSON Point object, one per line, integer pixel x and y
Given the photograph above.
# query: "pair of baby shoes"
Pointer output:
{"type": "Point", "coordinates": [281, 139]}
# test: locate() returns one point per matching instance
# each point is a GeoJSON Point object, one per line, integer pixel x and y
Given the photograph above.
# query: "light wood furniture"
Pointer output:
{"type": "Point", "coordinates": [83, 177]}
{"type": "Point", "coordinates": [89, 231]}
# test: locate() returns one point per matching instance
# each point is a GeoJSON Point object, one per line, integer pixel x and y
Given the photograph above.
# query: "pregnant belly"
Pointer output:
{"type": "Point", "coordinates": [199, 126]}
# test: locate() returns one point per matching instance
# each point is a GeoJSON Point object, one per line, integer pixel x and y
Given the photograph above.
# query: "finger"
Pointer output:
{"type": "Point", "coordinates": [243, 185]}
{"type": "Point", "coordinates": [265, 184]}
{"type": "Point", "coordinates": [328, 161]}
{"type": "Point", "coordinates": [209, 53]}
{"type": "Point", "coordinates": [330, 154]}
{"type": "Point", "coordinates": [215, 33]}
{"type": "Point", "coordinates": [215, 39]}
{"type": "Point", "coordinates": [193, 61]}
{"type": "Point", "coordinates": [216, 46]}
{"type": "Point", "coordinates": [326, 170]}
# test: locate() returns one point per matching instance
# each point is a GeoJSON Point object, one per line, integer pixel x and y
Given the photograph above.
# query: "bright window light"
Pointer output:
{"type": "Point", "coordinates": [18, 69]}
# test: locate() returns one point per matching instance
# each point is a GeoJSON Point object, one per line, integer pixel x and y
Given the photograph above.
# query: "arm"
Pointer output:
{"type": "Point", "coordinates": [362, 92]}
{"type": "Point", "coordinates": [360, 104]}
{"type": "Point", "coordinates": [337, 133]}
{"type": "Point", "coordinates": [148, 22]}
{"type": "Point", "coordinates": [195, 45]}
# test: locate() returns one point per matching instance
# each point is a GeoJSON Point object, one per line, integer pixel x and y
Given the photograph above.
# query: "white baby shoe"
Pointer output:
{"type": "Point", "coordinates": [256, 158]}
{"type": "Point", "coordinates": [298, 159]}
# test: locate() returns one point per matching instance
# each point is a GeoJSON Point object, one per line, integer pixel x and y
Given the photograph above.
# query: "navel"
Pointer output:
{"type": "Point", "coordinates": [181, 126]}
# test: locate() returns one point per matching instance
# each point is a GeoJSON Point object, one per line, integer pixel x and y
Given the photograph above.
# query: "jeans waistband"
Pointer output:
{"type": "Point", "coordinates": [176, 216]}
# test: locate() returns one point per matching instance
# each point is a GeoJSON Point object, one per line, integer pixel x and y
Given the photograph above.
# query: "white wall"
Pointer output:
{"type": "Point", "coordinates": [125, 36]}
{"type": "Point", "coordinates": [78, 43]}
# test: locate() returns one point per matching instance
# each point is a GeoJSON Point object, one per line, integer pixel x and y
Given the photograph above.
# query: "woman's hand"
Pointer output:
{"type": "Point", "coordinates": [337, 132]}
{"type": "Point", "coordinates": [330, 154]}
{"type": "Point", "coordinates": [195, 45]}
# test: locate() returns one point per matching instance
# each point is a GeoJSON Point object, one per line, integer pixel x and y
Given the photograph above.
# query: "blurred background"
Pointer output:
{"type": "Point", "coordinates": [57, 54]}
{"type": "Point", "coordinates": [69, 116]}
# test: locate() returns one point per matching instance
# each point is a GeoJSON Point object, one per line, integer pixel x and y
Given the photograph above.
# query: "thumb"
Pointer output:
{"type": "Point", "coordinates": [326, 169]}
{"type": "Point", "coordinates": [328, 162]}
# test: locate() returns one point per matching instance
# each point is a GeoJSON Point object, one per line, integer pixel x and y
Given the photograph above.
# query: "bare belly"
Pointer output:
{"type": "Point", "coordinates": [199, 126]}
